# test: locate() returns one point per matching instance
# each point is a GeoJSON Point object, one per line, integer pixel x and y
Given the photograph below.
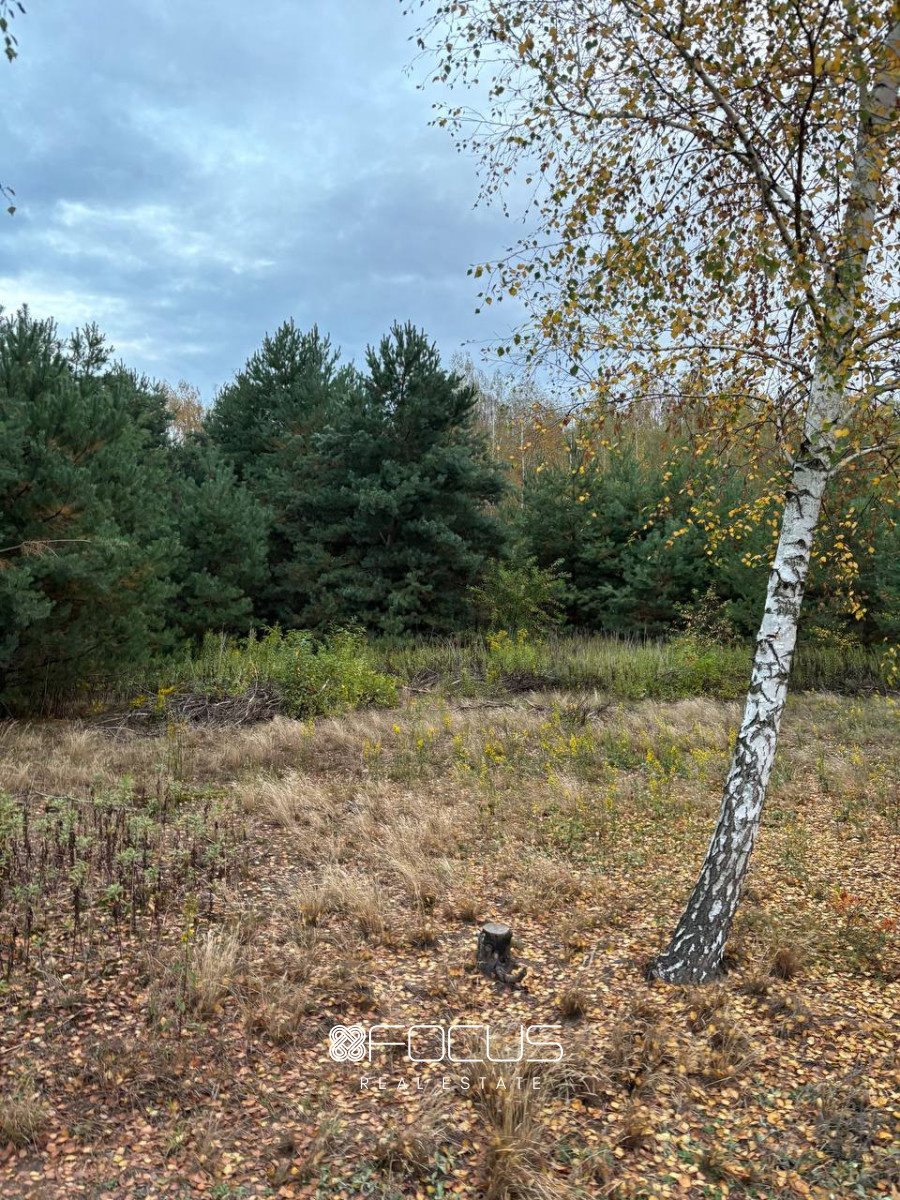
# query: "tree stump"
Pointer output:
{"type": "Point", "coordinates": [493, 955]}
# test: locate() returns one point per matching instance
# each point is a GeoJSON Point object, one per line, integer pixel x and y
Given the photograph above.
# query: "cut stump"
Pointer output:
{"type": "Point", "coordinates": [493, 954]}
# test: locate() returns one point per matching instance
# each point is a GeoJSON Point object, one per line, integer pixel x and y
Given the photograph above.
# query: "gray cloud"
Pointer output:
{"type": "Point", "coordinates": [189, 175]}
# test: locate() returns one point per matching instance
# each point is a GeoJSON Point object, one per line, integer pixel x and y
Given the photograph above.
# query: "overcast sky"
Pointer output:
{"type": "Point", "coordinates": [190, 173]}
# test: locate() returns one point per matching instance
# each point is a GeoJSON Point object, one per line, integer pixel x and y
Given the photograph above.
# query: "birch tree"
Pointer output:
{"type": "Point", "coordinates": [710, 197]}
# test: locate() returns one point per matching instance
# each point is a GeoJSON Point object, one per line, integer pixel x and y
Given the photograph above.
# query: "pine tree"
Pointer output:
{"type": "Point", "coordinates": [392, 511]}
{"type": "Point", "coordinates": [85, 535]}
{"type": "Point", "coordinates": [606, 525]}
{"type": "Point", "coordinates": [282, 393]}
{"type": "Point", "coordinates": [264, 423]}
{"type": "Point", "coordinates": [222, 534]}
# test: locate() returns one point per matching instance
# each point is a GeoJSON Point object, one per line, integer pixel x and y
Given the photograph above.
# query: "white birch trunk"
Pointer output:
{"type": "Point", "coordinates": [694, 954]}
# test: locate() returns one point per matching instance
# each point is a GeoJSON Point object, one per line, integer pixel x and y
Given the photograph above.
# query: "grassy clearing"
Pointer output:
{"type": "Point", "coordinates": [279, 878]}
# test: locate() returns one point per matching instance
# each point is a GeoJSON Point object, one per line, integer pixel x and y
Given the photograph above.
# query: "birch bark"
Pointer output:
{"type": "Point", "coordinates": [694, 954]}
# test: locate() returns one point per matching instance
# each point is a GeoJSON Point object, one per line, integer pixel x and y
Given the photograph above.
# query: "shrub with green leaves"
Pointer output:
{"type": "Point", "coordinates": [515, 662]}
{"type": "Point", "coordinates": [325, 677]}
{"type": "Point", "coordinates": [520, 595]}
{"type": "Point", "coordinates": [312, 676]}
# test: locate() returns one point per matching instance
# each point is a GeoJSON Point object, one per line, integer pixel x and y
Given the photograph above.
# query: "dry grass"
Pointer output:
{"type": "Point", "coordinates": [423, 934]}
{"type": "Point", "coordinates": [636, 1129]}
{"type": "Point", "coordinates": [278, 1008]}
{"type": "Point", "coordinates": [22, 1114]}
{"type": "Point", "coordinates": [578, 1075]}
{"type": "Point", "coordinates": [706, 1005]}
{"type": "Point", "coordinates": [643, 1048]}
{"type": "Point", "coordinates": [293, 801]}
{"type": "Point", "coordinates": [462, 908]}
{"type": "Point", "coordinates": [208, 1137]}
{"type": "Point", "coordinates": [574, 1003]}
{"type": "Point", "coordinates": [848, 1124]}
{"type": "Point", "coordinates": [424, 881]}
{"type": "Point", "coordinates": [731, 1052]}
{"type": "Point", "coordinates": [325, 1144]}
{"type": "Point", "coordinates": [515, 1158]}
{"type": "Point", "coordinates": [786, 963]}
{"type": "Point", "coordinates": [345, 893]}
{"type": "Point", "coordinates": [728, 1052]}
{"type": "Point", "coordinates": [537, 877]}
{"type": "Point", "coordinates": [408, 1148]}
{"type": "Point", "coordinates": [212, 967]}
{"type": "Point", "coordinates": [756, 983]}
{"type": "Point", "coordinates": [792, 1015]}
{"type": "Point", "coordinates": [71, 758]}
{"type": "Point", "coordinates": [299, 953]}
{"type": "Point", "coordinates": [376, 841]}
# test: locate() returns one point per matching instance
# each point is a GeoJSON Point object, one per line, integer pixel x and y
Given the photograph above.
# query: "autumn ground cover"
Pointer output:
{"type": "Point", "coordinates": [185, 915]}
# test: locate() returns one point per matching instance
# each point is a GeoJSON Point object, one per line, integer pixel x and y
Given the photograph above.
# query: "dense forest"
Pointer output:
{"type": "Point", "coordinates": [400, 497]}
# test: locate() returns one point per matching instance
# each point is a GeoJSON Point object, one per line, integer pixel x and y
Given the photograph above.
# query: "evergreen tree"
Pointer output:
{"type": "Point", "coordinates": [600, 520]}
{"type": "Point", "coordinates": [263, 423]}
{"type": "Point", "coordinates": [85, 534]}
{"type": "Point", "coordinates": [222, 533]}
{"type": "Point", "coordinates": [880, 584]}
{"type": "Point", "coordinates": [391, 512]}
{"type": "Point", "coordinates": [283, 393]}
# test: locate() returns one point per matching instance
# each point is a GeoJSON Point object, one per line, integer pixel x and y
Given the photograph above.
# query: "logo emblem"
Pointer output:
{"type": "Point", "coordinates": [347, 1043]}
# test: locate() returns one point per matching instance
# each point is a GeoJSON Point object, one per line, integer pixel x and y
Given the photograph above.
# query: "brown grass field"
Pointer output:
{"type": "Point", "coordinates": [184, 917]}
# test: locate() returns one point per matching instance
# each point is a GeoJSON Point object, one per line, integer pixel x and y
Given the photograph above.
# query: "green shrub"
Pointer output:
{"type": "Point", "coordinates": [707, 618]}
{"type": "Point", "coordinates": [520, 596]}
{"type": "Point", "coordinates": [326, 677]}
{"type": "Point", "coordinates": [624, 668]}
{"type": "Point", "coordinates": [312, 676]}
{"type": "Point", "coordinates": [308, 676]}
{"type": "Point", "coordinates": [700, 667]}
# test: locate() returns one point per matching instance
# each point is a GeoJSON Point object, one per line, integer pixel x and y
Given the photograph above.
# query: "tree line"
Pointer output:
{"type": "Point", "coordinates": [401, 496]}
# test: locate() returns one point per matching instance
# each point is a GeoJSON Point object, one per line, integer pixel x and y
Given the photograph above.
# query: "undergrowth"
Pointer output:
{"type": "Point", "coordinates": [107, 865]}
{"type": "Point", "coordinates": [300, 675]}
